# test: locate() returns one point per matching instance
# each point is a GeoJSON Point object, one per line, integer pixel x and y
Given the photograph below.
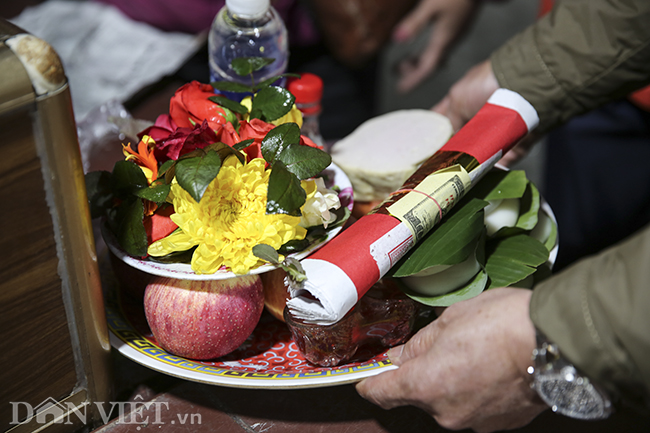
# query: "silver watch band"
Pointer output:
{"type": "Point", "coordinates": [562, 387]}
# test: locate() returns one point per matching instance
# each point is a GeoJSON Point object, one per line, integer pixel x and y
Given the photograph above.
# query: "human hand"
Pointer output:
{"type": "Point", "coordinates": [468, 95]}
{"type": "Point", "coordinates": [450, 18]}
{"type": "Point", "coordinates": [468, 367]}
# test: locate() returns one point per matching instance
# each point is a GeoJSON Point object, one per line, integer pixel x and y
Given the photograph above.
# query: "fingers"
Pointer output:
{"type": "Point", "coordinates": [414, 72]}
{"type": "Point", "coordinates": [414, 21]}
{"type": "Point", "coordinates": [384, 390]}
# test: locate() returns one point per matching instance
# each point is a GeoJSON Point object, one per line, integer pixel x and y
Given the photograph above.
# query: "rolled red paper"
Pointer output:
{"type": "Point", "coordinates": [341, 272]}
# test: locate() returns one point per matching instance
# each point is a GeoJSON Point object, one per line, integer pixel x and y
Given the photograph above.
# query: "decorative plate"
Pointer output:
{"type": "Point", "coordinates": [269, 358]}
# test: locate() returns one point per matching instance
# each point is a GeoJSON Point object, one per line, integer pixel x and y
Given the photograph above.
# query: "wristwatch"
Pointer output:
{"type": "Point", "coordinates": [562, 387]}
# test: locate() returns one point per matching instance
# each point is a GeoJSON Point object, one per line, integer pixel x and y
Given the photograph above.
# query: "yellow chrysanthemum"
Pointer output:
{"type": "Point", "coordinates": [293, 116]}
{"type": "Point", "coordinates": [229, 220]}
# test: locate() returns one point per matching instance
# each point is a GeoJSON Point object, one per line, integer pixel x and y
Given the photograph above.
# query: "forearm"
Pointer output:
{"type": "Point", "coordinates": [597, 313]}
{"type": "Point", "coordinates": [582, 55]}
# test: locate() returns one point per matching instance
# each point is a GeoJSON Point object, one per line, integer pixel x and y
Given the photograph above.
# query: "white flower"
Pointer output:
{"type": "Point", "coordinates": [316, 210]}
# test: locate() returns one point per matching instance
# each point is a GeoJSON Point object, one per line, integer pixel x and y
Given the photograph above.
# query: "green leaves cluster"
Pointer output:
{"type": "Point", "coordinates": [509, 257]}
{"type": "Point", "coordinates": [269, 102]}
{"type": "Point", "coordinates": [120, 195]}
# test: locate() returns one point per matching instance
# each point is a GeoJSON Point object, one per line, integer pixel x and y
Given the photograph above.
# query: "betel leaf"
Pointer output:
{"type": "Point", "coordinates": [529, 208]}
{"type": "Point", "coordinates": [229, 104]}
{"type": "Point", "coordinates": [284, 194]}
{"type": "Point", "coordinates": [451, 242]}
{"type": "Point", "coordinates": [272, 102]}
{"type": "Point", "coordinates": [127, 178]}
{"type": "Point", "coordinates": [552, 238]}
{"type": "Point", "coordinates": [157, 192]}
{"type": "Point", "coordinates": [244, 66]}
{"type": "Point", "coordinates": [278, 139]}
{"type": "Point", "coordinates": [195, 174]}
{"type": "Point", "coordinates": [474, 288]}
{"type": "Point", "coordinates": [304, 161]}
{"type": "Point", "coordinates": [130, 231]}
{"type": "Point", "coordinates": [511, 259]}
{"type": "Point", "coordinates": [500, 184]}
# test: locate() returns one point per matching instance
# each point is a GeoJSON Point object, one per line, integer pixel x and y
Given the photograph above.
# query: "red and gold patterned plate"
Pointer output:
{"type": "Point", "coordinates": [269, 358]}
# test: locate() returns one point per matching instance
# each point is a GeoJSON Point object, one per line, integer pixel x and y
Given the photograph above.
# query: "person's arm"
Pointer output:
{"type": "Point", "coordinates": [578, 57]}
{"type": "Point", "coordinates": [597, 313]}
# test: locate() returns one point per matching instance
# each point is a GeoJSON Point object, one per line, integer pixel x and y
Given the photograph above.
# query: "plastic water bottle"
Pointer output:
{"type": "Point", "coordinates": [247, 28]}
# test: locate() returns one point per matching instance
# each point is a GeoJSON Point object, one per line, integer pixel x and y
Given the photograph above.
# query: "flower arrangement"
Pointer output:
{"type": "Point", "coordinates": [217, 180]}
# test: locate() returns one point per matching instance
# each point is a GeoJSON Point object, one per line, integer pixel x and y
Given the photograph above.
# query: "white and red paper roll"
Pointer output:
{"type": "Point", "coordinates": [341, 272]}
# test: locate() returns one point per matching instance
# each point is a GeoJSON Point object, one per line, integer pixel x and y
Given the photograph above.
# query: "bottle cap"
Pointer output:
{"type": "Point", "coordinates": [308, 89]}
{"type": "Point", "coordinates": [248, 8]}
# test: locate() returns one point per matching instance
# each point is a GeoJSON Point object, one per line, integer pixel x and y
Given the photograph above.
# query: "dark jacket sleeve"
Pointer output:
{"type": "Point", "coordinates": [579, 56]}
{"type": "Point", "coordinates": [582, 55]}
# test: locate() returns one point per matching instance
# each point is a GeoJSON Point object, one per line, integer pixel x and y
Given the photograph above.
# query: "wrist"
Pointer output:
{"type": "Point", "coordinates": [562, 387]}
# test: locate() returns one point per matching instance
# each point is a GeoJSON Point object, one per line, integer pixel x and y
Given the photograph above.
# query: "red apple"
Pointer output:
{"type": "Point", "coordinates": [276, 292]}
{"type": "Point", "coordinates": [203, 319]}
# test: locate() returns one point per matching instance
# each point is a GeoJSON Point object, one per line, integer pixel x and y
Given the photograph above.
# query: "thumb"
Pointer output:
{"type": "Point", "coordinates": [420, 343]}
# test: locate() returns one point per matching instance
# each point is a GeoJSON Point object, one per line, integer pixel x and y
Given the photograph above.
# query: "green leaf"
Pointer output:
{"type": "Point", "coordinates": [294, 246]}
{"type": "Point", "coordinates": [157, 193]}
{"type": "Point", "coordinates": [99, 191]}
{"type": "Point", "coordinates": [511, 259]}
{"type": "Point", "coordinates": [278, 139]}
{"type": "Point", "coordinates": [529, 208]}
{"type": "Point", "coordinates": [552, 238]}
{"type": "Point", "coordinates": [195, 174]}
{"type": "Point", "coordinates": [131, 233]}
{"type": "Point", "coordinates": [224, 151]}
{"type": "Point", "coordinates": [273, 102]}
{"type": "Point", "coordinates": [244, 66]}
{"type": "Point", "coordinates": [243, 144]}
{"type": "Point", "coordinates": [285, 195]}
{"type": "Point", "coordinates": [231, 86]}
{"type": "Point", "coordinates": [164, 167]}
{"type": "Point", "coordinates": [449, 243]}
{"type": "Point", "coordinates": [128, 178]}
{"type": "Point", "coordinates": [267, 253]}
{"type": "Point", "coordinates": [304, 161]}
{"type": "Point", "coordinates": [229, 104]}
{"type": "Point", "coordinates": [474, 288]}
{"type": "Point", "coordinates": [500, 184]}
{"type": "Point", "coordinates": [270, 81]}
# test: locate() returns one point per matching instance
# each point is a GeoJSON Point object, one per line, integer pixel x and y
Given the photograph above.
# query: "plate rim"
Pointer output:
{"type": "Point", "coordinates": [228, 377]}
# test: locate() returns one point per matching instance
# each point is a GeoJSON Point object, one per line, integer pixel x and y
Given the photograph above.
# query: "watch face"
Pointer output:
{"type": "Point", "coordinates": [572, 396]}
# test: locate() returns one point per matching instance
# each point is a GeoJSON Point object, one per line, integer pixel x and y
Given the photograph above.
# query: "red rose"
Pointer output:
{"type": "Point", "coordinates": [190, 104]}
{"type": "Point", "coordinates": [228, 135]}
{"type": "Point", "coordinates": [161, 129]}
{"type": "Point", "coordinates": [185, 140]}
